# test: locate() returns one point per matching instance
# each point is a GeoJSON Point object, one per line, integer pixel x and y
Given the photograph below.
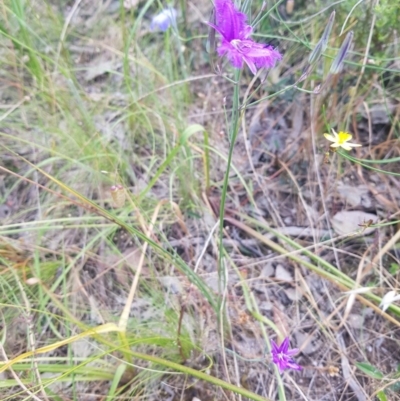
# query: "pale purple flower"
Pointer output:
{"type": "Point", "coordinates": [164, 20]}
{"type": "Point", "coordinates": [236, 43]}
{"type": "Point", "coordinates": [281, 356]}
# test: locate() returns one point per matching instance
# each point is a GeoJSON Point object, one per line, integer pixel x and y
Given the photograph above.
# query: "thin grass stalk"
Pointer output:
{"type": "Point", "coordinates": [367, 163]}
{"type": "Point", "coordinates": [128, 47]}
{"type": "Point", "coordinates": [206, 157]}
{"type": "Point", "coordinates": [33, 63]}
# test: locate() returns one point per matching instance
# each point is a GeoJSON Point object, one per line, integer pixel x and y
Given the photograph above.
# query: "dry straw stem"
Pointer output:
{"type": "Point", "coordinates": [105, 328]}
{"type": "Point", "coordinates": [123, 322]}
{"type": "Point", "coordinates": [333, 275]}
{"type": "Point", "coordinates": [14, 107]}
{"type": "Point", "coordinates": [275, 215]}
{"type": "Point", "coordinates": [16, 377]}
{"type": "Point", "coordinates": [390, 244]}
{"type": "Point", "coordinates": [111, 327]}
{"type": "Point", "coordinates": [348, 374]}
{"type": "Point", "coordinates": [32, 339]}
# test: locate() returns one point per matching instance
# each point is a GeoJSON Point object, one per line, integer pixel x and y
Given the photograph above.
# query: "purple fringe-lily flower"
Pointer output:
{"type": "Point", "coordinates": [236, 43]}
{"type": "Point", "coordinates": [281, 356]}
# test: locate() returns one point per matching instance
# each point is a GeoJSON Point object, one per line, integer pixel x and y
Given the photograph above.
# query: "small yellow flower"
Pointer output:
{"type": "Point", "coordinates": [340, 140]}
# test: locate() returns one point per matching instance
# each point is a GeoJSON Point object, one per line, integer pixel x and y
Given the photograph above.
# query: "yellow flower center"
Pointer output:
{"type": "Point", "coordinates": [343, 137]}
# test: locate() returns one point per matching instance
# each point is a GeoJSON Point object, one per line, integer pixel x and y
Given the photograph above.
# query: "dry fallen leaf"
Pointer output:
{"type": "Point", "coordinates": [283, 274]}
{"type": "Point", "coordinates": [347, 222]}
{"type": "Point", "coordinates": [355, 195]}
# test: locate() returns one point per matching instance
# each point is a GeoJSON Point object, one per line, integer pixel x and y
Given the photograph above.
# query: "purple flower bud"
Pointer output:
{"type": "Point", "coordinates": [327, 31]}
{"type": "Point", "coordinates": [323, 42]}
{"type": "Point", "coordinates": [337, 64]}
{"type": "Point", "coordinates": [315, 54]}
{"type": "Point", "coordinates": [163, 20]}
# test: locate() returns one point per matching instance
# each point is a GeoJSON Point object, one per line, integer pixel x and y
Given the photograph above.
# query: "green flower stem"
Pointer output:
{"type": "Point", "coordinates": [232, 138]}
{"type": "Point", "coordinates": [206, 161]}
{"type": "Point", "coordinates": [233, 131]}
{"type": "Point", "coordinates": [235, 117]}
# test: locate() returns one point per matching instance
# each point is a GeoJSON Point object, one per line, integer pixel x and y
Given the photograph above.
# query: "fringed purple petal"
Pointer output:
{"type": "Point", "coordinates": [259, 50]}
{"type": "Point", "coordinates": [250, 63]}
{"type": "Point", "coordinates": [231, 22]}
{"type": "Point", "coordinates": [269, 59]}
{"type": "Point", "coordinates": [235, 57]}
{"type": "Point", "coordinates": [260, 55]}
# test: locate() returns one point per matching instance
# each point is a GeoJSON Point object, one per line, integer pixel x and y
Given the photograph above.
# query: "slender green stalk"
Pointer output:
{"type": "Point", "coordinates": [206, 161]}
{"type": "Point", "coordinates": [222, 279]}
{"type": "Point", "coordinates": [232, 138]}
